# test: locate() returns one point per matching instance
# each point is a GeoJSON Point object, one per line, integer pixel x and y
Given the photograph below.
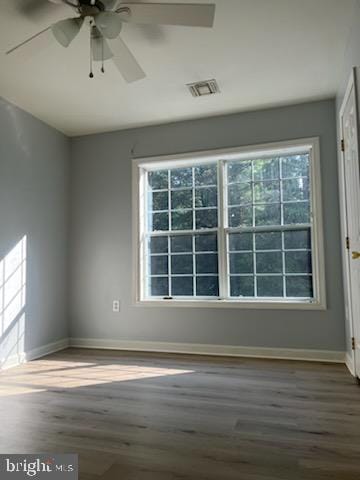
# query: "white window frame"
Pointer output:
{"type": "Point", "coordinates": [142, 165]}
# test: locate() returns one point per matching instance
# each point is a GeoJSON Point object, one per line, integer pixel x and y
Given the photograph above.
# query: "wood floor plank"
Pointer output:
{"type": "Point", "coordinates": [137, 416]}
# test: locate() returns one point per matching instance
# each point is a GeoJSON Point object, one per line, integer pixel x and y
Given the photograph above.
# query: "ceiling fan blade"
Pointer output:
{"type": "Point", "coordinates": [66, 30]}
{"type": "Point", "coordinates": [33, 8]}
{"type": "Point", "coordinates": [38, 9]}
{"type": "Point", "coordinates": [192, 15]}
{"type": "Point", "coordinates": [35, 43]}
{"type": "Point", "coordinates": [125, 61]}
{"type": "Point", "coordinates": [110, 4]}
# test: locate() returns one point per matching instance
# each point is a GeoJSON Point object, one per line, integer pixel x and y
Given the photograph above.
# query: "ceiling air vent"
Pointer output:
{"type": "Point", "coordinates": [207, 87]}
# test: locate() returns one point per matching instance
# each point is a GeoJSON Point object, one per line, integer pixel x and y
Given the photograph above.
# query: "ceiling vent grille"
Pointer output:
{"type": "Point", "coordinates": [200, 89]}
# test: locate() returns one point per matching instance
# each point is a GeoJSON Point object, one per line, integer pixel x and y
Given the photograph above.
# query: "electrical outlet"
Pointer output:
{"type": "Point", "coordinates": [116, 306]}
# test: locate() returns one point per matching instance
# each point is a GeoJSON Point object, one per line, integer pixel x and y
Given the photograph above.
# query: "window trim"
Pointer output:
{"type": "Point", "coordinates": [143, 164]}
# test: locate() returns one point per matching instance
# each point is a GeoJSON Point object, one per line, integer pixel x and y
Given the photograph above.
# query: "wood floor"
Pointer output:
{"type": "Point", "coordinates": [161, 417]}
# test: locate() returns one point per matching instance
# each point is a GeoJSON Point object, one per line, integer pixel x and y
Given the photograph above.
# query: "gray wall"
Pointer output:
{"type": "Point", "coordinates": [351, 59]}
{"type": "Point", "coordinates": [34, 162]}
{"type": "Point", "coordinates": [101, 244]}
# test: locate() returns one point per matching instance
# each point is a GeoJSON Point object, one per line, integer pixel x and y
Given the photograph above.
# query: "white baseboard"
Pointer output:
{"type": "Point", "coordinates": [18, 359]}
{"type": "Point", "coordinates": [47, 349]}
{"type": "Point", "coordinates": [219, 350]}
{"type": "Point", "coordinates": [185, 348]}
{"type": "Point", "coordinates": [349, 361]}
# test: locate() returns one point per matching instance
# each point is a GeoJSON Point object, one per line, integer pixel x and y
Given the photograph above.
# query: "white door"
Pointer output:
{"type": "Point", "coordinates": [351, 174]}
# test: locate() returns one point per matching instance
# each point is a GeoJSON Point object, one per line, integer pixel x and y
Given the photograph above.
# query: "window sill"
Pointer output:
{"type": "Point", "coordinates": [246, 304]}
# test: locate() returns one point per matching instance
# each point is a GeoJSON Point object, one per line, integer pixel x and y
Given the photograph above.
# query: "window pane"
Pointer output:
{"type": "Point", "coordinates": [158, 201]}
{"type": "Point", "coordinates": [239, 172]}
{"type": "Point", "coordinates": [240, 194]}
{"type": "Point", "coordinates": [206, 218]}
{"type": "Point", "coordinates": [268, 241]}
{"type": "Point", "coordinates": [241, 263]}
{"type": "Point", "coordinates": [158, 180]}
{"type": "Point", "coordinates": [297, 239]}
{"type": "Point", "coordinates": [267, 215]}
{"type": "Point", "coordinates": [270, 262]}
{"type": "Point", "coordinates": [270, 286]}
{"type": "Point", "coordinates": [241, 286]}
{"type": "Point", "coordinates": [182, 220]}
{"type": "Point", "coordinates": [159, 286]}
{"type": "Point", "coordinates": [206, 197]}
{"type": "Point", "coordinates": [267, 192]}
{"type": "Point", "coordinates": [266, 169]}
{"type": "Point", "coordinates": [296, 189]}
{"type": "Point", "coordinates": [295, 166]}
{"type": "Point", "coordinates": [299, 287]}
{"type": "Point", "coordinates": [159, 265]}
{"type": "Point", "coordinates": [181, 264]}
{"type": "Point", "coordinates": [206, 243]}
{"type": "Point", "coordinates": [182, 286]}
{"type": "Point", "coordinates": [298, 262]}
{"type": "Point", "coordinates": [262, 192]}
{"type": "Point", "coordinates": [193, 187]}
{"type": "Point", "coordinates": [181, 199]}
{"type": "Point", "coordinates": [158, 222]}
{"type": "Point", "coordinates": [240, 216]}
{"type": "Point", "coordinates": [181, 177]}
{"type": "Point", "coordinates": [158, 244]}
{"type": "Point", "coordinates": [181, 243]}
{"type": "Point", "coordinates": [206, 175]}
{"type": "Point", "coordinates": [207, 286]}
{"type": "Point", "coordinates": [240, 241]}
{"type": "Point", "coordinates": [296, 213]}
{"type": "Point", "coordinates": [206, 263]}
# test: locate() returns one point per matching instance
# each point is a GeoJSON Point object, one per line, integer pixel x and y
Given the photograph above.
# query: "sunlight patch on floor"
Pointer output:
{"type": "Point", "coordinates": [38, 378]}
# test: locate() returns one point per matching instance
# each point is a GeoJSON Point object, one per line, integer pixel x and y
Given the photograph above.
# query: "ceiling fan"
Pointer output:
{"type": "Point", "coordinates": [105, 19]}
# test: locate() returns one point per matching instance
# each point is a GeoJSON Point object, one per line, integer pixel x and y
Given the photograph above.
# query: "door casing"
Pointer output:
{"type": "Point", "coordinates": [346, 253]}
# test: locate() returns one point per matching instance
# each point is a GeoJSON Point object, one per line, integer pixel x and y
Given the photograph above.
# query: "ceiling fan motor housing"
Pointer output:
{"type": "Point", "coordinates": [88, 9]}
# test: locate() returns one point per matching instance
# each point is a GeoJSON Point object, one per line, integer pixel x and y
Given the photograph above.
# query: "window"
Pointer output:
{"type": "Point", "coordinates": [238, 227]}
{"type": "Point", "coordinates": [181, 253]}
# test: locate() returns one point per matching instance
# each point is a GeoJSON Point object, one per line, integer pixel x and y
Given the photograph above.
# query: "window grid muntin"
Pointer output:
{"type": "Point", "coordinates": [283, 256]}
{"type": "Point", "coordinates": [280, 180]}
{"type": "Point", "coordinates": [221, 206]}
{"type": "Point", "coordinates": [283, 251]}
{"type": "Point", "coordinates": [269, 228]}
{"type": "Point", "coordinates": [170, 254]}
{"type": "Point", "coordinates": [194, 187]}
{"type": "Point", "coordinates": [170, 233]}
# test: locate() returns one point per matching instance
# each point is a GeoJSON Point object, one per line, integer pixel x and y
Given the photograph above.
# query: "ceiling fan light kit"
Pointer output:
{"type": "Point", "coordinates": [105, 20]}
{"type": "Point", "coordinates": [109, 24]}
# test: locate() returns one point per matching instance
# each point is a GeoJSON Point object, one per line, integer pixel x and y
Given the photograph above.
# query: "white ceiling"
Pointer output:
{"type": "Point", "coordinates": [262, 52]}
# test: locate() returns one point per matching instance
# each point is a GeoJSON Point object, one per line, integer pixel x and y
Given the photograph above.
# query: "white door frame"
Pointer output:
{"type": "Point", "coordinates": [350, 357]}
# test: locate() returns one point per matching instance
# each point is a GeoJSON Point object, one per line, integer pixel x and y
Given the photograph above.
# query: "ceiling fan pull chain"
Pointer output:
{"type": "Point", "coordinates": [102, 55]}
{"type": "Point", "coordinates": [91, 74]}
